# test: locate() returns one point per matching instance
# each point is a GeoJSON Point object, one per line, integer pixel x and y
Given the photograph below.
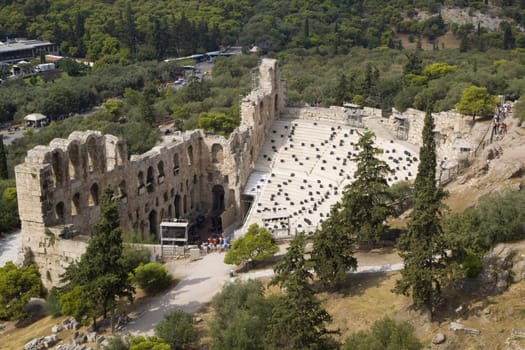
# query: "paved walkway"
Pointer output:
{"type": "Point", "coordinates": [202, 279]}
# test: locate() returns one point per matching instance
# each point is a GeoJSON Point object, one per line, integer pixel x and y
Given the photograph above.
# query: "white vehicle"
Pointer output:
{"type": "Point", "coordinates": [44, 67]}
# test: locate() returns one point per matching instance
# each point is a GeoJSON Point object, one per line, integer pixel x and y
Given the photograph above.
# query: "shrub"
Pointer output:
{"type": "Point", "coordinates": [53, 305]}
{"type": "Point", "coordinates": [177, 330]}
{"type": "Point", "coordinates": [384, 334]}
{"type": "Point", "coordinates": [472, 264]}
{"type": "Point", "coordinates": [152, 277]}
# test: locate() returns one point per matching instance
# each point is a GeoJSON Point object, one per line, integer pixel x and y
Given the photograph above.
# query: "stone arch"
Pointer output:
{"type": "Point", "coordinates": [189, 151]}
{"type": "Point", "coordinates": [231, 195]}
{"type": "Point", "coordinates": [93, 155]}
{"type": "Point", "coordinates": [218, 198]}
{"type": "Point", "coordinates": [185, 205]}
{"type": "Point", "coordinates": [73, 152]}
{"type": "Point", "coordinates": [276, 104]}
{"type": "Point", "coordinates": [153, 222]}
{"type": "Point", "coordinates": [140, 182]}
{"type": "Point", "coordinates": [217, 156]}
{"type": "Point", "coordinates": [93, 195]}
{"type": "Point", "coordinates": [75, 204]}
{"type": "Point", "coordinates": [170, 211]}
{"type": "Point", "coordinates": [261, 109]}
{"type": "Point", "coordinates": [192, 194]}
{"type": "Point", "coordinates": [57, 165]}
{"type": "Point", "coordinates": [160, 170]}
{"type": "Point", "coordinates": [195, 179]}
{"type": "Point", "coordinates": [176, 164]}
{"type": "Point", "coordinates": [60, 211]}
{"type": "Point", "coordinates": [178, 206]}
{"type": "Point", "coordinates": [150, 179]}
{"type": "Point", "coordinates": [165, 196]}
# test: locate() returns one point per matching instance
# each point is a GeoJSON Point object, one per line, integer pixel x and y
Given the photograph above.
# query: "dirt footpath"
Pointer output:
{"type": "Point", "coordinates": [199, 281]}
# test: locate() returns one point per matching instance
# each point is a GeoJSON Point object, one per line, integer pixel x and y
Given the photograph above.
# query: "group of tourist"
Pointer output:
{"type": "Point", "coordinates": [500, 113]}
{"type": "Point", "coordinates": [215, 243]}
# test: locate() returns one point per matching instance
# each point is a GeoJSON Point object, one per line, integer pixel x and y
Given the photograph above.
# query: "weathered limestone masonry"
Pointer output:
{"type": "Point", "coordinates": [60, 185]}
{"type": "Point", "coordinates": [455, 134]}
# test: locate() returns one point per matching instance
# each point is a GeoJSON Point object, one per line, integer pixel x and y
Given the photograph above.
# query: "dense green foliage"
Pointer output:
{"type": "Point", "coordinates": [257, 244]}
{"type": "Point", "coordinates": [152, 277]}
{"type": "Point", "coordinates": [384, 334]}
{"type": "Point", "coordinates": [17, 286]}
{"type": "Point", "coordinates": [133, 256]}
{"type": "Point", "coordinates": [147, 343]}
{"type": "Point", "coordinates": [176, 329]}
{"type": "Point", "coordinates": [494, 219]}
{"type": "Point", "coordinates": [125, 30]}
{"type": "Point", "coordinates": [476, 101]}
{"type": "Point", "coordinates": [242, 316]}
{"type": "Point", "coordinates": [422, 246]}
{"type": "Point", "coordinates": [99, 277]}
{"type": "Point", "coordinates": [333, 249]}
{"type": "Point", "coordinates": [366, 201]}
{"type": "Point", "coordinates": [8, 206]}
{"type": "Point", "coordinates": [298, 319]}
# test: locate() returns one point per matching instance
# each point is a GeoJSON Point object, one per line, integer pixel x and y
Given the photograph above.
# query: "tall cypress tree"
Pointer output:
{"type": "Point", "coordinates": [422, 246]}
{"type": "Point", "coordinates": [3, 160]}
{"type": "Point", "coordinates": [100, 273]}
{"type": "Point", "coordinates": [366, 200]}
{"type": "Point", "coordinates": [298, 320]}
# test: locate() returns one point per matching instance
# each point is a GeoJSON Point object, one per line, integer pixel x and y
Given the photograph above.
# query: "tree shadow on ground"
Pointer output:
{"type": "Point", "coordinates": [356, 284]}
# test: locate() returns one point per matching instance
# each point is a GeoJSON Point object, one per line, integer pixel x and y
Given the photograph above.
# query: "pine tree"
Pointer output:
{"type": "Point", "coordinates": [366, 199]}
{"type": "Point", "coordinates": [422, 246]}
{"type": "Point", "coordinates": [3, 160]}
{"type": "Point", "coordinates": [100, 273]}
{"type": "Point", "coordinates": [332, 253]}
{"type": "Point", "coordinates": [298, 320]}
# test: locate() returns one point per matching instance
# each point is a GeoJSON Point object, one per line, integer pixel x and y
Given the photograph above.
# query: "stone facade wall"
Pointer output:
{"type": "Point", "coordinates": [60, 185]}
{"type": "Point", "coordinates": [456, 135]}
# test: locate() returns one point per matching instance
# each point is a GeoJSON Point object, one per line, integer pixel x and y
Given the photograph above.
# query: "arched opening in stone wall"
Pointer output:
{"type": "Point", "coordinates": [185, 205]}
{"type": "Point", "coordinates": [191, 199]}
{"type": "Point", "coordinates": [190, 154]}
{"type": "Point", "coordinates": [93, 195]}
{"type": "Point", "coordinates": [58, 168]}
{"type": "Point", "coordinates": [261, 105]}
{"type": "Point", "coordinates": [162, 214]}
{"type": "Point", "coordinates": [160, 170]}
{"type": "Point", "coordinates": [231, 198]}
{"type": "Point", "coordinates": [195, 179]}
{"type": "Point", "coordinates": [121, 153]}
{"type": "Point", "coordinates": [92, 154]}
{"type": "Point", "coordinates": [60, 210]}
{"type": "Point", "coordinates": [140, 182]}
{"type": "Point", "coordinates": [218, 199]}
{"type": "Point", "coordinates": [170, 211]}
{"type": "Point", "coordinates": [276, 104]}
{"type": "Point", "coordinates": [122, 192]}
{"type": "Point", "coordinates": [176, 165]}
{"type": "Point", "coordinates": [217, 154]}
{"type": "Point", "coordinates": [165, 197]}
{"type": "Point", "coordinates": [74, 161]}
{"type": "Point", "coordinates": [178, 206]}
{"type": "Point", "coordinates": [153, 223]}
{"type": "Point", "coordinates": [75, 204]}
{"type": "Point", "coordinates": [150, 180]}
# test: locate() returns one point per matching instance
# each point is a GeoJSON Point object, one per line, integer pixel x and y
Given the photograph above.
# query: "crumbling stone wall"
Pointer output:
{"type": "Point", "coordinates": [61, 185]}
{"type": "Point", "coordinates": [456, 135]}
